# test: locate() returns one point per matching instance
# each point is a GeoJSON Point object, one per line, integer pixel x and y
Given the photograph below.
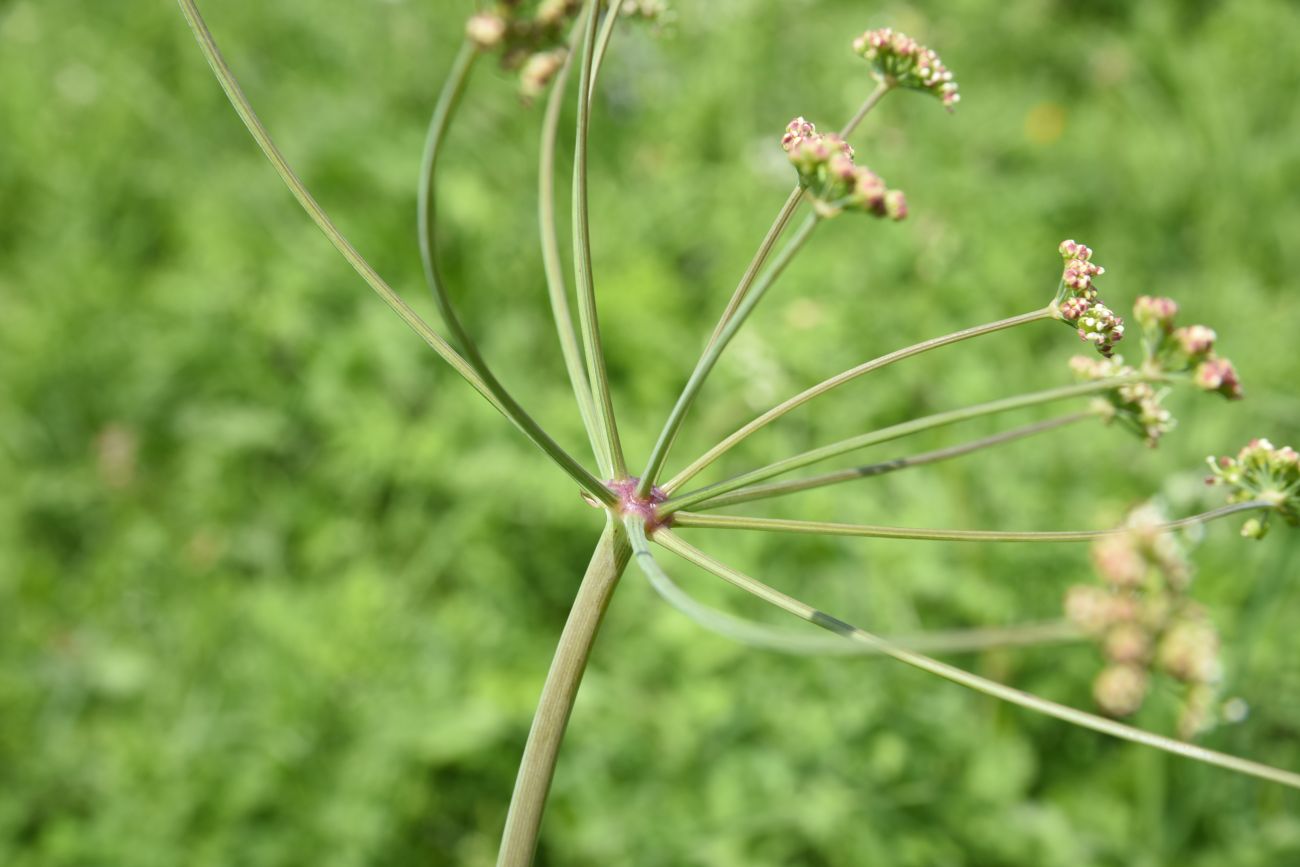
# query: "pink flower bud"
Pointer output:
{"type": "Point", "coordinates": [1218, 374]}
{"type": "Point", "coordinates": [1155, 312]}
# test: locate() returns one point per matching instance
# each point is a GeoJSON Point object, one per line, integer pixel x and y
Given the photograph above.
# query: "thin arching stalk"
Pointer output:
{"type": "Point", "coordinates": [602, 41]}
{"type": "Point", "coordinates": [596, 372]}
{"type": "Point", "coordinates": [806, 612]}
{"type": "Point", "coordinates": [766, 637]}
{"type": "Point", "coordinates": [687, 520]}
{"type": "Point", "coordinates": [704, 461]}
{"type": "Point", "coordinates": [537, 767]}
{"type": "Point", "coordinates": [780, 489]}
{"type": "Point", "coordinates": [706, 363]}
{"type": "Point", "coordinates": [782, 220]}
{"type": "Point", "coordinates": [552, 263]}
{"type": "Point", "coordinates": [895, 432]}
{"type": "Point", "coordinates": [511, 410]}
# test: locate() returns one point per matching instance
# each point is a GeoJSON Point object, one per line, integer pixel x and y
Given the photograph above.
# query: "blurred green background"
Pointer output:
{"type": "Point", "coordinates": [277, 589]}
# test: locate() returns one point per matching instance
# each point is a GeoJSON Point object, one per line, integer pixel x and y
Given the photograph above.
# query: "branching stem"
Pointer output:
{"type": "Point", "coordinates": [782, 409]}
{"type": "Point", "coordinates": [467, 371]}
{"type": "Point", "coordinates": [806, 612]}
{"type": "Point", "coordinates": [895, 432]}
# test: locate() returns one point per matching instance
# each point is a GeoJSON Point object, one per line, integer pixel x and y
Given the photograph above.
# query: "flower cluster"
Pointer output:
{"type": "Point", "coordinates": [1168, 350]}
{"type": "Point", "coordinates": [826, 169]}
{"type": "Point", "coordinates": [1077, 302]}
{"type": "Point", "coordinates": [1186, 349]}
{"type": "Point", "coordinates": [1263, 472]}
{"type": "Point", "coordinates": [530, 35]}
{"type": "Point", "coordinates": [900, 61]}
{"type": "Point", "coordinates": [1144, 622]}
{"type": "Point", "coordinates": [1137, 405]}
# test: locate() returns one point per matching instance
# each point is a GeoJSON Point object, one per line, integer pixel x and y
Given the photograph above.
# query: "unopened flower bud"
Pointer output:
{"type": "Point", "coordinates": [1073, 308]}
{"type": "Point", "coordinates": [1127, 642]}
{"type": "Point", "coordinates": [486, 29]}
{"type": "Point", "coordinates": [896, 205]}
{"type": "Point", "coordinates": [538, 71]}
{"type": "Point", "coordinates": [1154, 312]}
{"type": "Point", "coordinates": [1218, 374]}
{"type": "Point", "coordinates": [1195, 340]}
{"type": "Point", "coordinates": [1120, 689]}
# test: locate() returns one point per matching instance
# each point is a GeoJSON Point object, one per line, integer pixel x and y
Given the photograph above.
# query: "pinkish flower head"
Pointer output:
{"type": "Point", "coordinates": [835, 183]}
{"type": "Point", "coordinates": [900, 61]}
{"type": "Point", "coordinates": [1074, 250]}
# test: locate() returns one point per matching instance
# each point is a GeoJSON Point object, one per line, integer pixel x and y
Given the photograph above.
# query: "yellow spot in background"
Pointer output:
{"type": "Point", "coordinates": [1045, 123]}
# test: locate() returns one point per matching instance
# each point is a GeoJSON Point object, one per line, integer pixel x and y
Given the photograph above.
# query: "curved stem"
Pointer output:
{"type": "Point", "coordinates": [537, 767]}
{"type": "Point", "coordinates": [659, 453]}
{"type": "Point", "coordinates": [229, 84]}
{"type": "Point", "coordinates": [596, 372]}
{"type": "Point", "coordinates": [602, 41]}
{"type": "Point", "coordinates": [820, 528]}
{"type": "Point", "coordinates": [556, 288]}
{"type": "Point", "coordinates": [895, 432]}
{"type": "Point", "coordinates": [761, 635]}
{"type": "Point", "coordinates": [964, 678]}
{"type": "Point", "coordinates": [781, 489]}
{"type": "Point", "coordinates": [704, 461]}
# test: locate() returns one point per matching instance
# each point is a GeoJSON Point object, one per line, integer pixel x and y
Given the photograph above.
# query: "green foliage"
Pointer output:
{"type": "Point", "coordinates": [277, 589]}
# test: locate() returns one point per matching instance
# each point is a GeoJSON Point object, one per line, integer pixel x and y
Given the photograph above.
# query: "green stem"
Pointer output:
{"type": "Point", "coordinates": [774, 232]}
{"type": "Point", "coordinates": [602, 41]}
{"type": "Point", "coordinates": [782, 220]}
{"type": "Point", "coordinates": [761, 635]}
{"type": "Point", "coordinates": [706, 363]}
{"type": "Point", "coordinates": [537, 767]}
{"type": "Point", "coordinates": [895, 432]}
{"type": "Point", "coordinates": [871, 102]}
{"type": "Point", "coordinates": [822, 528]}
{"type": "Point", "coordinates": [781, 489]}
{"type": "Point", "coordinates": [553, 266]}
{"type": "Point", "coordinates": [596, 371]}
{"type": "Point", "coordinates": [704, 461]}
{"type": "Point", "coordinates": [229, 84]}
{"type": "Point", "coordinates": [964, 678]}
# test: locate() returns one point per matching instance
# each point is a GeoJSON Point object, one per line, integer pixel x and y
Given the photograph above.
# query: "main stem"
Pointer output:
{"type": "Point", "coordinates": [537, 767]}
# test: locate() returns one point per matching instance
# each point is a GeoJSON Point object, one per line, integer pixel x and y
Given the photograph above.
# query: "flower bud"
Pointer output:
{"type": "Point", "coordinates": [1195, 340]}
{"type": "Point", "coordinates": [1218, 374]}
{"type": "Point", "coordinates": [1120, 689]}
{"type": "Point", "coordinates": [900, 61]}
{"type": "Point", "coordinates": [1155, 313]}
{"type": "Point", "coordinates": [486, 30]}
